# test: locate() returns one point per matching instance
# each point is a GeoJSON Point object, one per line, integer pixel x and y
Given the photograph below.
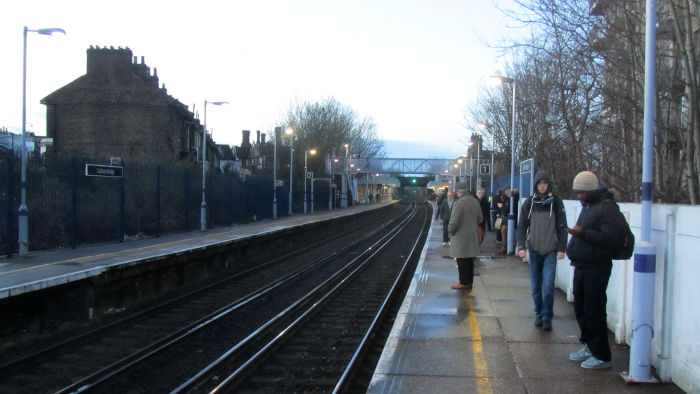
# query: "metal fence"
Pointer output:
{"type": "Point", "coordinates": [68, 208]}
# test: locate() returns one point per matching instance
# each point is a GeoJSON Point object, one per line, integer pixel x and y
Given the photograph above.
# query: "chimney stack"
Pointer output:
{"type": "Point", "coordinates": [246, 138]}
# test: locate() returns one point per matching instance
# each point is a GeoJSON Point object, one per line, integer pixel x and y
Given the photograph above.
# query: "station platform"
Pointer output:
{"type": "Point", "coordinates": [44, 269]}
{"type": "Point", "coordinates": [449, 341]}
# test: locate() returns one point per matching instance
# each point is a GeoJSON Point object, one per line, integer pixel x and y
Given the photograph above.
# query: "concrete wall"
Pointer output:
{"type": "Point", "coordinates": [676, 236]}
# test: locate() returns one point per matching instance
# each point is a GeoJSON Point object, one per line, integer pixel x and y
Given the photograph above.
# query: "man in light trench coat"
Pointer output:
{"type": "Point", "coordinates": [466, 216]}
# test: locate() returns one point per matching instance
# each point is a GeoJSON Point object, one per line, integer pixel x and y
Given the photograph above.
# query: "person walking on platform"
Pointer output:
{"type": "Point", "coordinates": [485, 205]}
{"type": "Point", "coordinates": [466, 216]}
{"type": "Point", "coordinates": [438, 205]}
{"type": "Point", "coordinates": [542, 236]}
{"type": "Point", "coordinates": [590, 249]}
{"type": "Point", "coordinates": [504, 211]}
{"type": "Point", "coordinates": [445, 210]}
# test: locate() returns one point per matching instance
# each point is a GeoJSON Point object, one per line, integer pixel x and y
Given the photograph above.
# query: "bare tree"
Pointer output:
{"type": "Point", "coordinates": [327, 126]}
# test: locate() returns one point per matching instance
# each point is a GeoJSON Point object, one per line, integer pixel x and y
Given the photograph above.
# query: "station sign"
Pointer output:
{"type": "Point", "coordinates": [104, 171]}
{"type": "Point", "coordinates": [309, 174]}
{"type": "Point", "coordinates": [279, 183]}
{"type": "Point", "coordinates": [485, 169]}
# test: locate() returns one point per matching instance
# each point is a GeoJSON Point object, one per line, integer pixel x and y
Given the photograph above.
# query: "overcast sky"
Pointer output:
{"type": "Point", "coordinates": [412, 65]}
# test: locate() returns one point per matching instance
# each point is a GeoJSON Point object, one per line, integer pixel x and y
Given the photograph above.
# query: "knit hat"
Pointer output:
{"type": "Point", "coordinates": [585, 181]}
{"type": "Point", "coordinates": [463, 186]}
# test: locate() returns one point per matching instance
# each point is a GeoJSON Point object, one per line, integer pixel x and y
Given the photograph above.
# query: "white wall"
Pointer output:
{"type": "Point", "coordinates": [676, 236]}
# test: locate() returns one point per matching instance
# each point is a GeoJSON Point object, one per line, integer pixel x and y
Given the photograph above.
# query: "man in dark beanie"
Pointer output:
{"type": "Point", "coordinates": [464, 240]}
{"type": "Point", "coordinates": [542, 235]}
{"type": "Point", "coordinates": [590, 250]}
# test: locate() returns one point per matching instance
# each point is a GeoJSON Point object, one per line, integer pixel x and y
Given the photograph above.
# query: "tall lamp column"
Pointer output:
{"type": "Point", "coordinates": [511, 215]}
{"type": "Point", "coordinates": [203, 213]}
{"type": "Point", "coordinates": [278, 132]}
{"type": "Point", "coordinates": [290, 132]}
{"type": "Point", "coordinates": [306, 174]}
{"type": "Point", "coordinates": [23, 213]}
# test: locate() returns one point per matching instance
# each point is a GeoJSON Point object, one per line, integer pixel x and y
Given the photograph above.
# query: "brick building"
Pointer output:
{"type": "Point", "coordinates": [118, 109]}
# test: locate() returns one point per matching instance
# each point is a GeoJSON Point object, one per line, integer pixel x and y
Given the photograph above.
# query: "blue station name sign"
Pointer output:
{"type": "Point", "coordinates": [104, 171]}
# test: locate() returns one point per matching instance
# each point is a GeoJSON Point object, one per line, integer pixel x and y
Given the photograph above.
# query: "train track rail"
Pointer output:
{"type": "Point", "coordinates": [84, 362]}
{"type": "Point", "coordinates": [323, 347]}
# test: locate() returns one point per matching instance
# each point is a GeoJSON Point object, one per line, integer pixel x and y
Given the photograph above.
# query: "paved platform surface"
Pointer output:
{"type": "Point", "coordinates": [43, 269]}
{"type": "Point", "coordinates": [449, 341]}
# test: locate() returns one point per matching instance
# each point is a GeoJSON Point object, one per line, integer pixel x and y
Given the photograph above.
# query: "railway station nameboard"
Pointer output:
{"type": "Point", "coordinates": [104, 171]}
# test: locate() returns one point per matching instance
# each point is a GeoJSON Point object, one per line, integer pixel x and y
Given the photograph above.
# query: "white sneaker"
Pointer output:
{"type": "Point", "coordinates": [594, 363]}
{"type": "Point", "coordinates": [444, 244]}
{"type": "Point", "coordinates": [582, 354]}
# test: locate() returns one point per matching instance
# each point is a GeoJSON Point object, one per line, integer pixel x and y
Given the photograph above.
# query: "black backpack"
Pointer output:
{"type": "Point", "coordinates": [625, 247]}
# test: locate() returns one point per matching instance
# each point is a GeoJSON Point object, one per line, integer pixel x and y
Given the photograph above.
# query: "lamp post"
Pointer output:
{"type": "Point", "coordinates": [478, 162]}
{"type": "Point", "coordinates": [484, 126]}
{"type": "Point", "coordinates": [23, 212]}
{"type": "Point", "coordinates": [290, 132]}
{"type": "Point", "coordinates": [344, 186]}
{"type": "Point", "coordinates": [330, 185]}
{"type": "Point", "coordinates": [203, 214]}
{"type": "Point", "coordinates": [374, 187]}
{"type": "Point", "coordinates": [511, 215]}
{"type": "Point", "coordinates": [306, 174]}
{"type": "Point", "coordinates": [278, 133]}
{"type": "Point", "coordinates": [471, 164]}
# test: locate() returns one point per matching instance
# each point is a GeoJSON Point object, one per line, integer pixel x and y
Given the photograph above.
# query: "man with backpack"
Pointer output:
{"type": "Point", "coordinates": [542, 233]}
{"type": "Point", "coordinates": [595, 241]}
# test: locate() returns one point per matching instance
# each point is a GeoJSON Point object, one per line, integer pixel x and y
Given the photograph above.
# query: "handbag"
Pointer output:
{"type": "Point", "coordinates": [481, 233]}
{"type": "Point", "coordinates": [498, 223]}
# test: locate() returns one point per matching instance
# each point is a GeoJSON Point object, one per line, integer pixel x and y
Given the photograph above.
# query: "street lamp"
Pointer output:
{"type": "Point", "coordinates": [471, 164]}
{"type": "Point", "coordinates": [331, 197]}
{"type": "Point", "coordinates": [346, 179]}
{"type": "Point", "coordinates": [290, 132]}
{"type": "Point", "coordinates": [511, 215]}
{"type": "Point", "coordinates": [306, 174]}
{"type": "Point", "coordinates": [203, 214]}
{"type": "Point", "coordinates": [278, 134]}
{"type": "Point", "coordinates": [23, 213]}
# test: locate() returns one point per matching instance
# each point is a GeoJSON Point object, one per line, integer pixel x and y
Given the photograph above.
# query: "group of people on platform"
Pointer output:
{"type": "Point", "coordinates": [543, 238]}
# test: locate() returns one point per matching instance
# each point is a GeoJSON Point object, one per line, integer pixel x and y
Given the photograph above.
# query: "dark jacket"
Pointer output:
{"type": "Point", "coordinates": [484, 203]}
{"type": "Point", "coordinates": [542, 223]}
{"type": "Point", "coordinates": [600, 232]}
{"type": "Point", "coordinates": [445, 209]}
{"type": "Point", "coordinates": [504, 210]}
{"type": "Point", "coordinates": [440, 199]}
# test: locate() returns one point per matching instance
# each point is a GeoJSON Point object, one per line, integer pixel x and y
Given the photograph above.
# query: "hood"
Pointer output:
{"type": "Point", "coordinates": [543, 174]}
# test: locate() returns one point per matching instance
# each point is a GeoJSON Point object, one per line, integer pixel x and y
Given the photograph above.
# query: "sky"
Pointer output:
{"type": "Point", "coordinates": [414, 66]}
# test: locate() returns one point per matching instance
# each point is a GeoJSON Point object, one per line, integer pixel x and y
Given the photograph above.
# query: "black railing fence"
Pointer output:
{"type": "Point", "coordinates": [68, 208]}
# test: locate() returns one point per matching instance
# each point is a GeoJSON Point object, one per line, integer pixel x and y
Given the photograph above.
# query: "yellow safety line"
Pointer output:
{"type": "Point", "coordinates": [483, 384]}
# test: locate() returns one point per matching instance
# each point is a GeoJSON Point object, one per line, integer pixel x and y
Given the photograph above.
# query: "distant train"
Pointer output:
{"type": "Point", "coordinates": [414, 194]}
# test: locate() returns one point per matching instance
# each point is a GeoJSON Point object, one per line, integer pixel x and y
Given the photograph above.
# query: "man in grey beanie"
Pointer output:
{"type": "Point", "coordinates": [542, 232]}
{"type": "Point", "coordinates": [590, 249]}
{"type": "Point", "coordinates": [464, 239]}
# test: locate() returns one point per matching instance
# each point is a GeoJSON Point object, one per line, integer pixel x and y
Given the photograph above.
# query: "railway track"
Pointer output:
{"type": "Point", "coordinates": [134, 352]}
{"type": "Point", "coordinates": [324, 348]}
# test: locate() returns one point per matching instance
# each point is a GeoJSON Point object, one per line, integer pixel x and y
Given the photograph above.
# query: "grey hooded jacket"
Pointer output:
{"type": "Point", "coordinates": [542, 224]}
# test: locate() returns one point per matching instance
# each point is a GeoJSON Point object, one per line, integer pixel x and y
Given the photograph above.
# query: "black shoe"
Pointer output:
{"type": "Point", "coordinates": [547, 325]}
{"type": "Point", "coordinates": [538, 321]}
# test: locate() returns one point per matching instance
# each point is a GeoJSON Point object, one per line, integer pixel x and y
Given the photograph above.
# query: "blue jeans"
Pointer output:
{"type": "Point", "coordinates": [543, 269]}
